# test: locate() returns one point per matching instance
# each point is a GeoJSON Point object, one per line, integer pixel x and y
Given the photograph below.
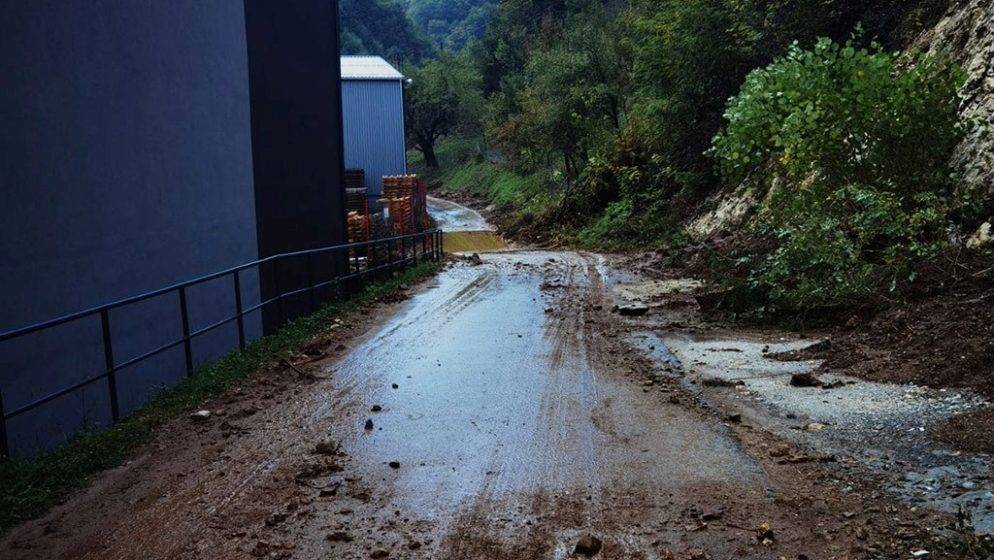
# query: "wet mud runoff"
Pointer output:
{"type": "Point", "coordinates": [466, 231]}
{"type": "Point", "coordinates": [500, 413]}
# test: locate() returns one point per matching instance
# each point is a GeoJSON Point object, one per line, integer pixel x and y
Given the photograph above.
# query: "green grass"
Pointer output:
{"type": "Point", "coordinates": [29, 488]}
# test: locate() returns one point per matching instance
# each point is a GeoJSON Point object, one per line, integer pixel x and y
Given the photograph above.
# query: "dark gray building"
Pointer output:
{"type": "Point", "coordinates": [144, 144]}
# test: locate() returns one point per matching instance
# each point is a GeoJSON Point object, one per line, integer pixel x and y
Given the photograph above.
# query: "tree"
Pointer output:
{"type": "Point", "coordinates": [381, 27]}
{"type": "Point", "coordinates": [572, 102]}
{"type": "Point", "coordinates": [443, 98]}
{"type": "Point", "coordinates": [451, 23]}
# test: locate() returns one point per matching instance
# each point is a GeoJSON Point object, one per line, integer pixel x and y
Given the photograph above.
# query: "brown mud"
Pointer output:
{"type": "Point", "coordinates": [510, 417]}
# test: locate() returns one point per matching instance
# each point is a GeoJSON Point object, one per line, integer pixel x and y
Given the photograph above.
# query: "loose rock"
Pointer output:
{"type": "Point", "coordinates": [632, 310]}
{"type": "Point", "coordinates": [805, 380]}
{"type": "Point", "coordinates": [327, 448]}
{"type": "Point", "coordinates": [588, 545]}
{"type": "Point", "coordinates": [340, 536]}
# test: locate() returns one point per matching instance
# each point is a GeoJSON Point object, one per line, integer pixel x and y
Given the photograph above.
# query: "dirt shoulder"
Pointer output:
{"type": "Point", "coordinates": [185, 481]}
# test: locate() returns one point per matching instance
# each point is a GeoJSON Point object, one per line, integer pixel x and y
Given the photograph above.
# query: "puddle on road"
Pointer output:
{"type": "Point", "coordinates": [465, 230]}
{"type": "Point", "coordinates": [472, 242]}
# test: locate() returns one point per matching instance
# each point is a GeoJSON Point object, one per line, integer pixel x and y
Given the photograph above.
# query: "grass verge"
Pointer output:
{"type": "Point", "coordinates": [29, 488]}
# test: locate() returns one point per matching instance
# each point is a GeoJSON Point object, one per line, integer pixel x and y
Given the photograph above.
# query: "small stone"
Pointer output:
{"type": "Point", "coordinates": [712, 515]}
{"type": "Point", "coordinates": [369, 425]}
{"type": "Point", "coordinates": [340, 536]}
{"type": "Point", "coordinates": [765, 535]}
{"type": "Point", "coordinates": [734, 418]}
{"type": "Point", "coordinates": [395, 386]}
{"type": "Point", "coordinates": [327, 448]}
{"type": "Point", "coordinates": [379, 553]}
{"type": "Point", "coordinates": [814, 427]}
{"type": "Point", "coordinates": [394, 465]}
{"type": "Point", "coordinates": [376, 408]}
{"type": "Point", "coordinates": [200, 415]}
{"type": "Point", "coordinates": [588, 545]}
{"type": "Point", "coordinates": [632, 310]}
{"type": "Point", "coordinates": [805, 380]}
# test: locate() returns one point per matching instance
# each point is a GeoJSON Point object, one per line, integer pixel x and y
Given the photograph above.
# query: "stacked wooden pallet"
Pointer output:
{"type": "Point", "coordinates": [406, 196]}
{"type": "Point", "coordinates": [359, 227]}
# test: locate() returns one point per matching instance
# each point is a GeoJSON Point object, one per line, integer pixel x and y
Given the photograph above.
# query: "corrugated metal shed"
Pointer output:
{"type": "Point", "coordinates": [373, 119]}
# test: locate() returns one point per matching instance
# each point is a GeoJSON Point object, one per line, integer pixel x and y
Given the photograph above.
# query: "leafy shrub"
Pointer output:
{"type": "Point", "coordinates": [858, 145]}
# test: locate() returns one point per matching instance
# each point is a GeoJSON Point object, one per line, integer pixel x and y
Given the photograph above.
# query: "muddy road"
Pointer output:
{"type": "Point", "coordinates": [503, 411]}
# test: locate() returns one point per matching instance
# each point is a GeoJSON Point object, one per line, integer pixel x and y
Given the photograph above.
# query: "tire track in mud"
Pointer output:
{"type": "Point", "coordinates": [514, 430]}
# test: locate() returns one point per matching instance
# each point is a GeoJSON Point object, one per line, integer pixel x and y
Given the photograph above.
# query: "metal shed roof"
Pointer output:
{"type": "Point", "coordinates": [368, 68]}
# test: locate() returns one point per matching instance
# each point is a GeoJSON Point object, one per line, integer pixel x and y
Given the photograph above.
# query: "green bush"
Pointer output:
{"type": "Point", "coordinates": [857, 142]}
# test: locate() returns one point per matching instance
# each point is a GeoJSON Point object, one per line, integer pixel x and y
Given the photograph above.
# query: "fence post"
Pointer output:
{"type": "Point", "coordinates": [187, 346]}
{"type": "Point", "coordinates": [4, 446]}
{"type": "Point", "coordinates": [239, 312]}
{"type": "Point", "coordinates": [279, 294]}
{"type": "Point", "coordinates": [310, 282]}
{"type": "Point", "coordinates": [115, 408]}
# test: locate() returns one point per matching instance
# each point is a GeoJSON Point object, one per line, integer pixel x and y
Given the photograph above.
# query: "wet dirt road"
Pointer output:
{"type": "Point", "coordinates": [499, 413]}
{"type": "Point", "coordinates": [513, 433]}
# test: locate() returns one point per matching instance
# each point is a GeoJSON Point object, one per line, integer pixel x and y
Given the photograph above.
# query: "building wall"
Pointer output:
{"type": "Point", "coordinates": [374, 129]}
{"type": "Point", "coordinates": [296, 86]}
{"type": "Point", "coordinates": [125, 166]}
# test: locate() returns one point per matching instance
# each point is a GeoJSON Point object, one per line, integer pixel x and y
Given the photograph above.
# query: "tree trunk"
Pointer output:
{"type": "Point", "coordinates": [428, 150]}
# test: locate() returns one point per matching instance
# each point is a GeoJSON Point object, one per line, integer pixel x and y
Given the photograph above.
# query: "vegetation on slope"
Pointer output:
{"type": "Point", "coordinates": [451, 24]}
{"type": "Point", "coordinates": [612, 123]}
{"type": "Point", "coordinates": [382, 28]}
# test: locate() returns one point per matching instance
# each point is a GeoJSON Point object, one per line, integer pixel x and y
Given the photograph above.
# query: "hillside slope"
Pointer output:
{"type": "Point", "coordinates": [967, 33]}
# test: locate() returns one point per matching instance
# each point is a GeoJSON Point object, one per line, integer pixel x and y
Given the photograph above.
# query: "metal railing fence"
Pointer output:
{"type": "Point", "coordinates": [353, 263]}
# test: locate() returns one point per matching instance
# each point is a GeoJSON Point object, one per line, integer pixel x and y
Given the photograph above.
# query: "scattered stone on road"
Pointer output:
{"type": "Point", "coordinates": [806, 379]}
{"type": "Point", "coordinates": [200, 415]}
{"type": "Point", "coordinates": [327, 448]}
{"type": "Point", "coordinates": [632, 310]}
{"type": "Point", "coordinates": [588, 545]}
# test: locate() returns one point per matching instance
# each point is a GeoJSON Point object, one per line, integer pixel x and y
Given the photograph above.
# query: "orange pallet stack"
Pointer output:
{"type": "Point", "coordinates": [357, 211]}
{"type": "Point", "coordinates": [406, 196]}
{"type": "Point", "coordinates": [359, 228]}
